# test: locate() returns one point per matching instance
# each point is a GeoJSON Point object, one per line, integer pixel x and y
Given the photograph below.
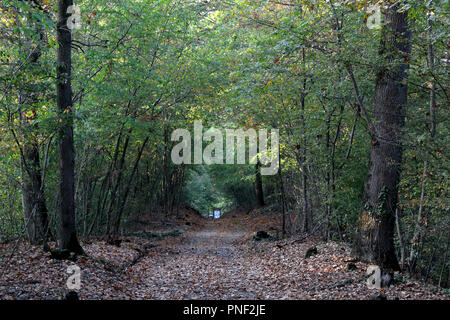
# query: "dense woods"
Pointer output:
{"type": "Point", "coordinates": [90, 95]}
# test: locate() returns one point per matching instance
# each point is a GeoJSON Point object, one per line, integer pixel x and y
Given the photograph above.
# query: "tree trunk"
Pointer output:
{"type": "Point", "coordinates": [400, 238]}
{"type": "Point", "coordinates": [67, 238]}
{"type": "Point", "coordinates": [116, 227]}
{"type": "Point", "coordinates": [283, 198]}
{"type": "Point", "coordinates": [115, 196]}
{"type": "Point", "coordinates": [33, 198]}
{"type": "Point", "coordinates": [419, 227]}
{"type": "Point", "coordinates": [305, 209]}
{"type": "Point", "coordinates": [258, 185]}
{"type": "Point", "coordinates": [374, 241]}
{"type": "Point", "coordinates": [307, 220]}
{"type": "Point", "coordinates": [34, 206]}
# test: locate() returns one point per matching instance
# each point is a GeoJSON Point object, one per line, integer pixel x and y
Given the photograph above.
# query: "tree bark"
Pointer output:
{"type": "Point", "coordinates": [68, 237]}
{"type": "Point", "coordinates": [305, 208]}
{"type": "Point", "coordinates": [374, 241]}
{"type": "Point", "coordinates": [307, 219]}
{"type": "Point", "coordinates": [258, 185]}
{"type": "Point", "coordinates": [34, 205]}
{"type": "Point", "coordinates": [400, 238]}
{"type": "Point", "coordinates": [283, 198]}
{"type": "Point", "coordinates": [33, 198]}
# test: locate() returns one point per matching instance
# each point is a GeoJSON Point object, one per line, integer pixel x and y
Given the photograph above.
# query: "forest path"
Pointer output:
{"type": "Point", "coordinates": [218, 260]}
{"type": "Point", "coordinates": [206, 263]}
{"type": "Point", "coordinates": [211, 259]}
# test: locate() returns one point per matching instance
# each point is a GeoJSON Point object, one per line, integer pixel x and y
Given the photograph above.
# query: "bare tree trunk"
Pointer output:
{"type": "Point", "coordinates": [400, 238]}
{"type": "Point", "coordinates": [419, 225]}
{"type": "Point", "coordinates": [116, 227]}
{"type": "Point", "coordinates": [433, 85]}
{"type": "Point", "coordinates": [115, 192]}
{"type": "Point", "coordinates": [445, 262]}
{"type": "Point", "coordinates": [68, 237]}
{"type": "Point", "coordinates": [101, 201]}
{"type": "Point", "coordinates": [283, 198]}
{"type": "Point", "coordinates": [328, 178]}
{"type": "Point", "coordinates": [374, 240]}
{"type": "Point", "coordinates": [430, 262]}
{"type": "Point", "coordinates": [258, 185]}
{"type": "Point", "coordinates": [305, 211]}
{"type": "Point", "coordinates": [333, 175]}
{"type": "Point", "coordinates": [34, 206]}
{"type": "Point", "coordinates": [165, 178]}
{"type": "Point", "coordinates": [180, 190]}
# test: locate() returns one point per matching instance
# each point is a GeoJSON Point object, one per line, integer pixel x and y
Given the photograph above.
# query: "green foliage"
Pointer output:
{"type": "Point", "coordinates": [204, 194]}
{"type": "Point", "coordinates": [144, 68]}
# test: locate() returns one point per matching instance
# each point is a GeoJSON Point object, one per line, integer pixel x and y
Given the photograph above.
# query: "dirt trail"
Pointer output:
{"type": "Point", "coordinates": [203, 264]}
{"type": "Point", "coordinates": [217, 260]}
{"type": "Point", "coordinates": [211, 259]}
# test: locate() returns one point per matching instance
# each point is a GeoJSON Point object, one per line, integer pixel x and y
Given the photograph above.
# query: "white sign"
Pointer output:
{"type": "Point", "coordinates": [216, 214]}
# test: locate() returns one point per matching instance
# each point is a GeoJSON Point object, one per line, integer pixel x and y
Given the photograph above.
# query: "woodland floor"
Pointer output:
{"type": "Point", "coordinates": [198, 258]}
